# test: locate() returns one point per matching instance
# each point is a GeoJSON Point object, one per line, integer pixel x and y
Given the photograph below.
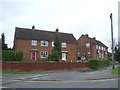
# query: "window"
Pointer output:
{"type": "Point", "coordinates": [102, 55]}
{"type": "Point", "coordinates": [64, 45]}
{"type": "Point", "coordinates": [88, 53]}
{"type": "Point", "coordinates": [43, 54]}
{"type": "Point", "coordinates": [104, 49]}
{"type": "Point", "coordinates": [44, 43]}
{"type": "Point", "coordinates": [34, 42]}
{"type": "Point", "coordinates": [87, 45]}
{"type": "Point", "coordinates": [53, 44]}
{"type": "Point", "coordinates": [96, 46]}
{"type": "Point", "coordinates": [99, 47]}
{"type": "Point", "coordinates": [99, 55]}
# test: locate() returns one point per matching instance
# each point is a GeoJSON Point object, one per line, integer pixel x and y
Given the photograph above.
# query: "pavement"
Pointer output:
{"type": "Point", "coordinates": [104, 73]}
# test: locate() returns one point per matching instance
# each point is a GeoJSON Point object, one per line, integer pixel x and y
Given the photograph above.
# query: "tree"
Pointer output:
{"type": "Point", "coordinates": [117, 52]}
{"type": "Point", "coordinates": [4, 46]}
{"type": "Point", "coordinates": [55, 56]}
{"type": "Point", "coordinates": [56, 52]}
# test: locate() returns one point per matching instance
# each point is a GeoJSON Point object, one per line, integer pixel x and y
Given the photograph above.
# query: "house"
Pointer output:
{"type": "Point", "coordinates": [91, 48]}
{"type": "Point", "coordinates": [38, 44]}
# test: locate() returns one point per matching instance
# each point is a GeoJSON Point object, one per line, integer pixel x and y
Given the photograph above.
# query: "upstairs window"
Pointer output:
{"type": "Point", "coordinates": [97, 46]}
{"type": "Point", "coordinates": [64, 45]}
{"type": "Point", "coordinates": [87, 45]}
{"type": "Point", "coordinates": [44, 43]}
{"type": "Point", "coordinates": [34, 42]}
{"type": "Point", "coordinates": [104, 49]}
{"type": "Point", "coordinates": [53, 44]}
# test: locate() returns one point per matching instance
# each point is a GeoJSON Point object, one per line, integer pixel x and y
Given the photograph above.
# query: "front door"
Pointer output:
{"type": "Point", "coordinates": [33, 55]}
{"type": "Point", "coordinates": [64, 56]}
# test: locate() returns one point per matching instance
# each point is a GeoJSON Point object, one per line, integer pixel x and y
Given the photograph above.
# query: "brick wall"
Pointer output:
{"type": "Point", "coordinates": [93, 51]}
{"type": "Point", "coordinates": [44, 66]}
{"type": "Point", "coordinates": [25, 46]}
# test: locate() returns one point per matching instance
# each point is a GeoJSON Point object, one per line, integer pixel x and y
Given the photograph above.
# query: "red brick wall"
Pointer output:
{"type": "Point", "coordinates": [93, 51]}
{"type": "Point", "coordinates": [44, 66]}
{"type": "Point", "coordinates": [25, 46]}
{"type": "Point", "coordinates": [82, 46]}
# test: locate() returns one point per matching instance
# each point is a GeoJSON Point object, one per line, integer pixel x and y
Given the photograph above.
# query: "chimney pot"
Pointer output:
{"type": "Point", "coordinates": [57, 30]}
{"type": "Point", "coordinates": [86, 35]}
{"type": "Point", "coordinates": [33, 27]}
{"type": "Point", "coordinates": [94, 38]}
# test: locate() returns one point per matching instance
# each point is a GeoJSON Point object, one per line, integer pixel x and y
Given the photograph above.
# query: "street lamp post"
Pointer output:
{"type": "Point", "coordinates": [113, 63]}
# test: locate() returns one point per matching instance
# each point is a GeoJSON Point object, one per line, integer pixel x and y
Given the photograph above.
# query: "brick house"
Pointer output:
{"type": "Point", "coordinates": [38, 44]}
{"type": "Point", "coordinates": [92, 48]}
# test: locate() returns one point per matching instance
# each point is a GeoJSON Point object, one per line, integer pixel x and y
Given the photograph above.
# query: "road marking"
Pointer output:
{"type": "Point", "coordinates": [65, 81]}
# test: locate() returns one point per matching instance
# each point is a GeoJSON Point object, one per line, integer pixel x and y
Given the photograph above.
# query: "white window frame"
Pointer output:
{"type": "Point", "coordinates": [34, 42]}
{"type": "Point", "coordinates": [97, 46]}
{"type": "Point", "coordinates": [64, 45]}
{"type": "Point", "coordinates": [53, 44]}
{"type": "Point", "coordinates": [102, 55]}
{"type": "Point", "coordinates": [45, 54]}
{"type": "Point", "coordinates": [104, 49]}
{"type": "Point", "coordinates": [44, 43]}
{"type": "Point", "coordinates": [87, 45]}
{"type": "Point", "coordinates": [88, 53]}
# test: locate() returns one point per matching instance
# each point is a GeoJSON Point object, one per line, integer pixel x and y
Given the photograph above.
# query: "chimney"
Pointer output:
{"type": "Point", "coordinates": [33, 27]}
{"type": "Point", "coordinates": [94, 38]}
{"type": "Point", "coordinates": [57, 30]}
{"type": "Point", "coordinates": [86, 35]}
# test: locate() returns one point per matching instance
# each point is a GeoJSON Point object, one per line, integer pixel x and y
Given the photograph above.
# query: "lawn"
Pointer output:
{"type": "Point", "coordinates": [16, 72]}
{"type": "Point", "coordinates": [116, 71]}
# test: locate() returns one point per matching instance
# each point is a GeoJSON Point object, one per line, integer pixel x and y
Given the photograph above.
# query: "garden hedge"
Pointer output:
{"type": "Point", "coordinates": [98, 63]}
{"type": "Point", "coordinates": [10, 55]}
{"type": "Point", "coordinates": [7, 55]}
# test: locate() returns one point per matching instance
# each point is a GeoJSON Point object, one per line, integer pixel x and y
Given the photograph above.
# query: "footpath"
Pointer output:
{"type": "Point", "coordinates": [104, 73]}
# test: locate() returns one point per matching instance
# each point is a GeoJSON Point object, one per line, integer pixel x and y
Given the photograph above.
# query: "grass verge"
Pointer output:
{"type": "Point", "coordinates": [116, 71]}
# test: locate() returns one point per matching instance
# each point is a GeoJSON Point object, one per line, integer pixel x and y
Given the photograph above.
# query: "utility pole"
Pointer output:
{"type": "Point", "coordinates": [113, 62]}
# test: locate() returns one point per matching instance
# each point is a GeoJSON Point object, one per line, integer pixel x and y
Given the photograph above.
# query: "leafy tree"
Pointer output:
{"type": "Point", "coordinates": [57, 44]}
{"type": "Point", "coordinates": [56, 52]}
{"type": "Point", "coordinates": [55, 56]}
{"type": "Point", "coordinates": [4, 46]}
{"type": "Point", "coordinates": [117, 52]}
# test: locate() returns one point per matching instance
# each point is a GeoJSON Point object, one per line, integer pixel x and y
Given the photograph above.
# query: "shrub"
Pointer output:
{"type": "Point", "coordinates": [18, 55]}
{"type": "Point", "coordinates": [7, 55]}
{"type": "Point", "coordinates": [55, 56]}
{"type": "Point", "coordinates": [95, 64]}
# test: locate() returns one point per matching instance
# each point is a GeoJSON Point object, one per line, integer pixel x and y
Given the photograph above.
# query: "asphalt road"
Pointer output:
{"type": "Point", "coordinates": [104, 83]}
{"type": "Point", "coordinates": [73, 79]}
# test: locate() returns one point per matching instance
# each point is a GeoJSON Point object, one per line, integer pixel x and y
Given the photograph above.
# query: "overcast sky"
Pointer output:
{"type": "Point", "coordinates": [70, 16]}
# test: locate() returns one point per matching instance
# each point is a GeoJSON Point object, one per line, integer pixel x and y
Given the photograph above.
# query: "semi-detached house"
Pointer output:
{"type": "Point", "coordinates": [38, 44]}
{"type": "Point", "coordinates": [91, 48]}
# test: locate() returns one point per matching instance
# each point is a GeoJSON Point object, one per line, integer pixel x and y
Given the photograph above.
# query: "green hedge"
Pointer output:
{"type": "Point", "coordinates": [95, 64]}
{"type": "Point", "coordinates": [18, 55]}
{"type": "Point", "coordinates": [7, 55]}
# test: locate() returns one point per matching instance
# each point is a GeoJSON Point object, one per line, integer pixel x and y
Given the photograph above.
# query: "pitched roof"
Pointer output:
{"type": "Point", "coordinates": [97, 42]}
{"type": "Point", "coordinates": [24, 33]}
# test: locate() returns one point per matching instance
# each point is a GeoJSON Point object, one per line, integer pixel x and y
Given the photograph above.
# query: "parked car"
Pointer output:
{"type": "Point", "coordinates": [81, 58]}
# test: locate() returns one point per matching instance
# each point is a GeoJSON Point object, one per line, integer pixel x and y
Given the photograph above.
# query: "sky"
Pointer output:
{"type": "Point", "coordinates": [69, 16]}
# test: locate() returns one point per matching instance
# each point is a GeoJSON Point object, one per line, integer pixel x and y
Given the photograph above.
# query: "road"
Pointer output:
{"type": "Point", "coordinates": [104, 83]}
{"type": "Point", "coordinates": [72, 79]}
